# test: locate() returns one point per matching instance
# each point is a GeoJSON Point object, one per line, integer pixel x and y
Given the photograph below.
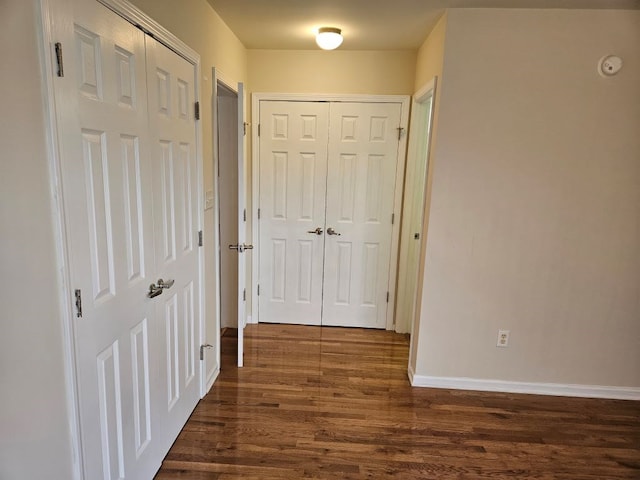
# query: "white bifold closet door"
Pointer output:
{"type": "Point", "coordinates": [128, 160]}
{"type": "Point", "coordinates": [327, 184]}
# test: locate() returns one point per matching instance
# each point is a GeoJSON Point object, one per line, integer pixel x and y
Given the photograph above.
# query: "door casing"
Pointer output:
{"type": "Point", "coordinates": [404, 100]}
{"type": "Point", "coordinates": [236, 88]}
{"type": "Point", "coordinates": [54, 17]}
{"type": "Point", "coordinates": [413, 211]}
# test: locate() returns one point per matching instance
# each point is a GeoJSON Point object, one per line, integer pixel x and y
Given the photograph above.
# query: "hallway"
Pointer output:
{"type": "Point", "coordinates": [335, 403]}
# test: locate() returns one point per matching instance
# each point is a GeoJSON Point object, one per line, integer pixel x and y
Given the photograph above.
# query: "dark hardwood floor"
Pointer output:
{"type": "Point", "coordinates": [332, 403]}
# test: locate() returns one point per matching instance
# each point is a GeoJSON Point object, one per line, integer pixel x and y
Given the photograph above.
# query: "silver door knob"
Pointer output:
{"type": "Point", "coordinates": [162, 284]}
{"type": "Point", "coordinates": [317, 231]}
{"type": "Point", "coordinates": [331, 231]}
{"type": "Point", "coordinates": [154, 291]}
{"type": "Point", "coordinates": [241, 247]}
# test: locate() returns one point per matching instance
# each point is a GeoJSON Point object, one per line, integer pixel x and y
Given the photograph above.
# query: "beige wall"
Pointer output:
{"type": "Point", "coordinates": [430, 58]}
{"type": "Point", "coordinates": [200, 27]}
{"type": "Point", "coordinates": [535, 201]}
{"type": "Point", "coordinates": [341, 71]}
{"type": "Point", "coordinates": [35, 440]}
{"type": "Point", "coordinates": [429, 64]}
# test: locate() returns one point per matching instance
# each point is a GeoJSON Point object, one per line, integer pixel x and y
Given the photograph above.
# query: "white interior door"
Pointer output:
{"type": "Point", "coordinates": [242, 225]}
{"type": "Point", "coordinates": [171, 88]}
{"type": "Point", "coordinates": [363, 157]}
{"type": "Point", "coordinates": [414, 207]}
{"type": "Point", "coordinates": [107, 187]}
{"type": "Point", "coordinates": [125, 183]}
{"type": "Point", "coordinates": [330, 168]}
{"type": "Point", "coordinates": [293, 175]}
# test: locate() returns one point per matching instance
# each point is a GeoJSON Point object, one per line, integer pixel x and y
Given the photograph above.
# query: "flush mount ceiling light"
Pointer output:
{"type": "Point", "coordinates": [329, 38]}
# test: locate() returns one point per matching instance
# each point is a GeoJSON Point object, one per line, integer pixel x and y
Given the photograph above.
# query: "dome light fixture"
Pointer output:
{"type": "Point", "coordinates": [329, 38]}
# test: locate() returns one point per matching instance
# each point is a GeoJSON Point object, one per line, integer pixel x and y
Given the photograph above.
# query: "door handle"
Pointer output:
{"type": "Point", "coordinates": [154, 291]}
{"type": "Point", "coordinates": [331, 231]}
{"type": "Point", "coordinates": [162, 284]}
{"type": "Point", "coordinates": [317, 231]}
{"type": "Point", "coordinates": [240, 247]}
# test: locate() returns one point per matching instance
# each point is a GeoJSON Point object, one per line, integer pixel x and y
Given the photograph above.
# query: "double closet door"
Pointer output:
{"type": "Point", "coordinates": [327, 183]}
{"type": "Point", "coordinates": [127, 137]}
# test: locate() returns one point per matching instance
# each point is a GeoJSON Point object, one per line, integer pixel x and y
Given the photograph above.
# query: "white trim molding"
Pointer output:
{"type": "Point", "coordinates": [555, 389]}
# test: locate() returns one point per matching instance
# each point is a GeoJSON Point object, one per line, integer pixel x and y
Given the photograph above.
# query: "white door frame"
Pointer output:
{"type": "Point", "coordinates": [404, 100]}
{"type": "Point", "coordinates": [217, 76]}
{"type": "Point", "coordinates": [419, 144]}
{"type": "Point", "coordinates": [55, 15]}
{"type": "Point", "coordinates": [238, 89]}
{"type": "Point", "coordinates": [421, 96]}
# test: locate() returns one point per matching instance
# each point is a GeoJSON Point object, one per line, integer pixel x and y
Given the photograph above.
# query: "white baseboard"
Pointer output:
{"type": "Point", "coordinates": [556, 389]}
{"type": "Point", "coordinates": [250, 320]}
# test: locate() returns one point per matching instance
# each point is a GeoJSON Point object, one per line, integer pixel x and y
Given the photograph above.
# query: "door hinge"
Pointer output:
{"type": "Point", "coordinates": [244, 295]}
{"type": "Point", "coordinates": [202, 347]}
{"type": "Point", "coordinates": [244, 128]}
{"type": "Point", "coordinates": [200, 242]}
{"type": "Point", "coordinates": [393, 218]}
{"type": "Point", "coordinates": [400, 130]}
{"type": "Point", "coordinates": [387, 297]}
{"type": "Point", "coordinates": [258, 214]}
{"type": "Point", "coordinates": [258, 289]}
{"type": "Point", "coordinates": [78, 295]}
{"type": "Point", "coordinates": [58, 47]}
{"type": "Point", "coordinates": [197, 110]}
{"type": "Point", "coordinates": [244, 215]}
{"type": "Point", "coordinates": [258, 129]}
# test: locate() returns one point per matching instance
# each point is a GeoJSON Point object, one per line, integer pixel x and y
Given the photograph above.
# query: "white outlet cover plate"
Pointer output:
{"type": "Point", "coordinates": [503, 338]}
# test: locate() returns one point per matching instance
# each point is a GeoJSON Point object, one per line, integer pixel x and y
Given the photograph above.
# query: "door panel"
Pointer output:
{"type": "Point", "coordinates": [105, 170]}
{"type": "Point", "coordinates": [171, 88]}
{"type": "Point", "coordinates": [135, 356]}
{"type": "Point", "coordinates": [293, 162]}
{"type": "Point", "coordinates": [363, 157]}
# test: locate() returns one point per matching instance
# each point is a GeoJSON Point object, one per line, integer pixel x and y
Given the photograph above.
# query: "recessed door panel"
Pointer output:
{"type": "Point", "coordinates": [125, 75]}
{"type": "Point", "coordinates": [141, 380]}
{"type": "Point", "coordinates": [133, 206]}
{"type": "Point", "coordinates": [99, 211]}
{"type": "Point", "coordinates": [110, 412]}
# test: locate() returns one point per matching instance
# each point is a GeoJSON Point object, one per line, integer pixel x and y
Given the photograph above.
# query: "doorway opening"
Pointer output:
{"type": "Point", "coordinates": [227, 181]}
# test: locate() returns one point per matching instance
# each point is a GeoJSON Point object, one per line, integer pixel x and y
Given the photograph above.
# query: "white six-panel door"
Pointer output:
{"type": "Point", "coordinates": [172, 132]}
{"type": "Point", "coordinates": [331, 167]}
{"type": "Point", "coordinates": [130, 210]}
{"type": "Point", "coordinates": [363, 157]}
{"type": "Point", "coordinates": [293, 175]}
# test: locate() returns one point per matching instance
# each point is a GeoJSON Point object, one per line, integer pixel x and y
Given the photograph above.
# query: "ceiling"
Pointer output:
{"type": "Point", "coordinates": [365, 24]}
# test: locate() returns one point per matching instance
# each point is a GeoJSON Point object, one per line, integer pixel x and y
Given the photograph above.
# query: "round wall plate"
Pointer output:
{"type": "Point", "coordinates": [609, 65]}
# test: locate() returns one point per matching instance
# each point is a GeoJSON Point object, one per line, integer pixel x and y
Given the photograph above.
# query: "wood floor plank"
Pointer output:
{"type": "Point", "coordinates": [335, 403]}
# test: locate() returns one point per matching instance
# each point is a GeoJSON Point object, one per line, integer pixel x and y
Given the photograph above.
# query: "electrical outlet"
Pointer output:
{"type": "Point", "coordinates": [503, 338]}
